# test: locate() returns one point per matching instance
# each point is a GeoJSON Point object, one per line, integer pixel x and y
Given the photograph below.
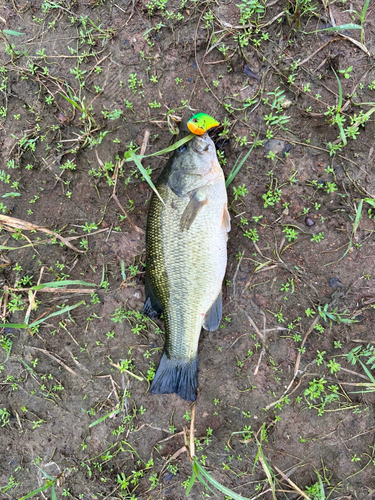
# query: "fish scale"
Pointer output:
{"type": "Point", "coordinates": [186, 260]}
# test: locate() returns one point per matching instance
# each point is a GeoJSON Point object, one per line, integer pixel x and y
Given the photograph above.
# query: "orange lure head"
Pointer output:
{"type": "Point", "coordinates": [200, 123]}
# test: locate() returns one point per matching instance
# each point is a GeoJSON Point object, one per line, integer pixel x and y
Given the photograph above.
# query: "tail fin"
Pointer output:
{"type": "Point", "coordinates": [174, 375]}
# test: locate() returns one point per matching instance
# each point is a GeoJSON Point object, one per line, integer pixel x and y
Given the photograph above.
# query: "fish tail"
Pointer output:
{"type": "Point", "coordinates": [176, 376]}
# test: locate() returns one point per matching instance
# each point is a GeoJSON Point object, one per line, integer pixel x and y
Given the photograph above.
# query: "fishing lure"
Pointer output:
{"type": "Point", "coordinates": [200, 123]}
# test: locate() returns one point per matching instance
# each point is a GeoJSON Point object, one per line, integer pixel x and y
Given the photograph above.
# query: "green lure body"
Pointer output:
{"type": "Point", "coordinates": [200, 123]}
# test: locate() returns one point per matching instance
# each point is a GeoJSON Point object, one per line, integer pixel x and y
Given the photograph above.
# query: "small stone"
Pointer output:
{"type": "Point", "coordinates": [335, 283]}
{"type": "Point", "coordinates": [286, 103]}
{"type": "Point", "coordinates": [168, 476]}
{"type": "Point", "coordinates": [275, 145]}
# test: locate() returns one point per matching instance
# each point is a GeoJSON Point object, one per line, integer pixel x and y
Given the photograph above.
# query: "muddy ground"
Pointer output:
{"type": "Point", "coordinates": [279, 408]}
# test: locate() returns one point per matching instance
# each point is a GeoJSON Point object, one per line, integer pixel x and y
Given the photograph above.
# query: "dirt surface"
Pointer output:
{"type": "Point", "coordinates": [279, 408]}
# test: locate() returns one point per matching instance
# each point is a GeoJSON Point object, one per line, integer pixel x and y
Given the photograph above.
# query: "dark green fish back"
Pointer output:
{"type": "Point", "coordinates": [157, 289]}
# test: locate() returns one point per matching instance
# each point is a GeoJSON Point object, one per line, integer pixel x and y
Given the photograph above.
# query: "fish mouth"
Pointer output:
{"type": "Point", "coordinates": [200, 144]}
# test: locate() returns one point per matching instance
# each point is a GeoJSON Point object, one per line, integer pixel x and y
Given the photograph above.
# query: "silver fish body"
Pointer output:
{"type": "Point", "coordinates": [186, 243]}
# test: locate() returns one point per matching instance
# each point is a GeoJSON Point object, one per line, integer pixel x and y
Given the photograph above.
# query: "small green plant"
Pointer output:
{"type": "Point", "coordinates": [315, 389]}
{"type": "Point", "coordinates": [343, 317]}
{"type": "Point", "coordinates": [252, 234]}
{"type": "Point", "coordinates": [318, 237]}
{"type": "Point", "coordinates": [134, 83]}
{"type": "Point", "coordinates": [240, 191]}
{"type": "Point", "coordinates": [279, 316]}
{"type": "Point", "coordinates": [315, 491]}
{"type": "Point", "coordinates": [367, 353]}
{"type": "Point", "coordinates": [346, 72]}
{"type": "Point", "coordinates": [331, 187]}
{"type": "Point", "coordinates": [272, 196]}
{"type": "Point", "coordinates": [320, 357]}
{"type": "Point", "coordinates": [50, 483]}
{"type": "Point", "coordinates": [309, 312]}
{"type": "Point", "coordinates": [248, 9]}
{"type": "Point", "coordinates": [154, 104]}
{"type": "Point", "coordinates": [4, 417]}
{"type": "Point", "coordinates": [333, 366]}
{"type": "Point", "coordinates": [291, 233]}
{"type": "Point", "coordinates": [6, 343]}
{"type": "Point", "coordinates": [112, 115]}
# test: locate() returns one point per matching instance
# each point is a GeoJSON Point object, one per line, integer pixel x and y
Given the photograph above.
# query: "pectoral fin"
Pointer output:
{"type": "Point", "coordinates": [197, 201]}
{"type": "Point", "coordinates": [226, 218]}
{"type": "Point", "coordinates": [213, 316]}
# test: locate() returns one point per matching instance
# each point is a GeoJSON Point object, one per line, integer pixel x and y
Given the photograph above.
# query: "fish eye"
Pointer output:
{"type": "Point", "coordinates": [195, 120]}
{"type": "Point", "coordinates": [182, 148]}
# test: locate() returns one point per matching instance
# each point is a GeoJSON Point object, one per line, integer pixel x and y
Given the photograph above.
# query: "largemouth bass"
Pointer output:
{"type": "Point", "coordinates": [186, 257]}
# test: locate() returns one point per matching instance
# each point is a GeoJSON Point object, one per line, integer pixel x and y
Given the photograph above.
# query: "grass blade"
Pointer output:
{"type": "Point", "coordinates": [59, 284]}
{"type": "Point", "coordinates": [216, 484]}
{"type": "Point", "coordinates": [267, 470]}
{"type": "Point", "coordinates": [355, 226]}
{"type": "Point", "coordinates": [364, 11]}
{"type": "Point", "coordinates": [143, 171]}
{"type": "Point", "coordinates": [57, 313]}
{"type": "Point", "coordinates": [342, 27]}
{"type": "Point", "coordinates": [367, 371]}
{"type": "Point", "coordinates": [321, 485]}
{"type": "Point", "coordinates": [46, 475]}
{"type": "Point", "coordinates": [103, 276]}
{"type": "Point", "coordinates": [14, 33]}
{"type": "Point", "coordinates": [16, 326]}
{"type": "Point", "coordinates": [338, 109]}
{"type": "Point", "coordinates": [53, 493]}
{"type": "Point", "coordinates": [32, 493]}
{"type": "Point", "coordinates": [191, 483]}
{"type": "Point", "coordinates": [169, 149]}
{"type": "Point", "coordinates": [13, 195]}
{"type": "Point", "coordinates": [73, 103]}
{"type": "Point", "coordinates": [236, 168]}
{"type": "Point", "coordinates": [36, 323]}
{"type": "Point", "coordinates": [370, 202]}
{"type": "Point", "coordinates": [200, 478]}
{"type": "Point", "coordinates": [115, 412]}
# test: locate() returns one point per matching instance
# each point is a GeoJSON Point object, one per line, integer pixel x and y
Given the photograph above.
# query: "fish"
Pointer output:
{"type": "Point", "coordinates": [186, 258]}
{"type": "Point", "coordinates": [200, 123]}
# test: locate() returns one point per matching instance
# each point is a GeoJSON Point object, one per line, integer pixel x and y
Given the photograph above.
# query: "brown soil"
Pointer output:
{"type": "Point", "coordinates": [63, 376]}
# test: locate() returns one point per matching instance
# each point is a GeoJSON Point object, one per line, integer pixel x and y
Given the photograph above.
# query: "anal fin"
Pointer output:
{"type": "Point", "coordinates": [213, 315]}
{"type": "Point", "coordinates": [152, 307]}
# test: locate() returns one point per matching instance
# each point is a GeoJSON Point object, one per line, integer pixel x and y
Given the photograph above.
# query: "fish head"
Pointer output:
{"type": "Point", "coordinates": [195, 164]}
{"type": "Point", "coordinates": [197, 157]}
